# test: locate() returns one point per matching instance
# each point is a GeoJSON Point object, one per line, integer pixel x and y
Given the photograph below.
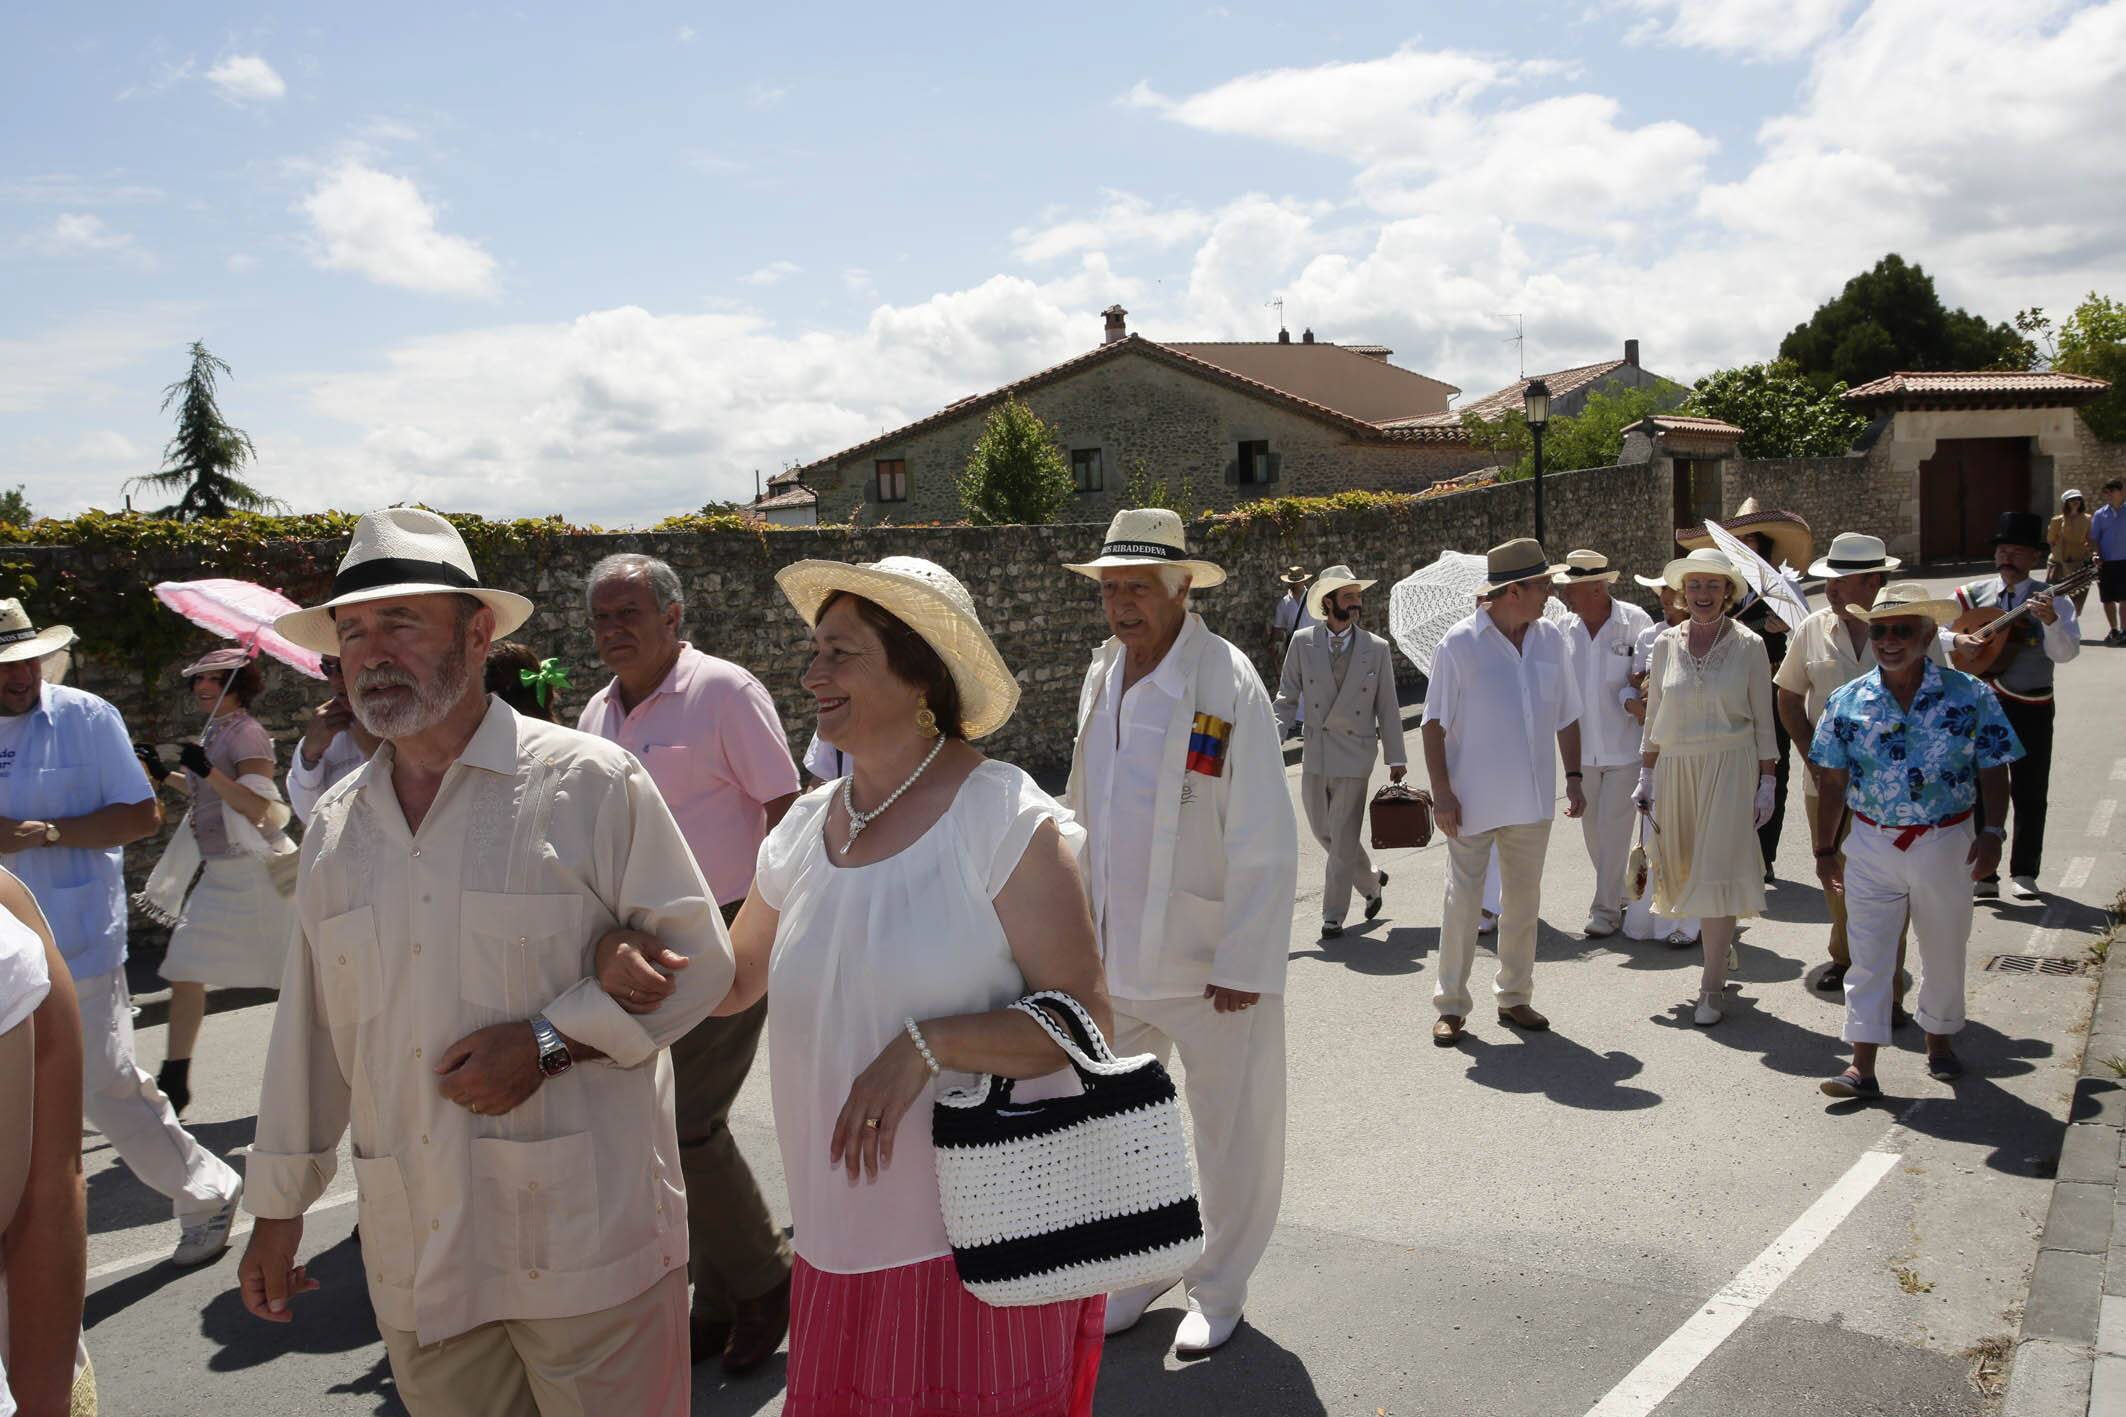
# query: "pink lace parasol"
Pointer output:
{"type": "Point", "coordinates": [240, 611]}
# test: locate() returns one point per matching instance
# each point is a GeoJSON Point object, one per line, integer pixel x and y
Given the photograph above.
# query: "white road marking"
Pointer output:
{"type": "Point", "coordinates": [2118, 770]}
{"type": "Point", "coordinates": [2077, 873]}
{"type": "Point", "coordinates": [1662, 1371]}
{"type": "Point", "coordinates": [2100, 819]}
{"type": "Point", "coordinates": [241, 1228]}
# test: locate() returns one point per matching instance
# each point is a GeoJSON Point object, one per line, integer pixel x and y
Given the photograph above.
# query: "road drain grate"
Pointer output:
{"type": "Point", "coordinates": [2038, 964]}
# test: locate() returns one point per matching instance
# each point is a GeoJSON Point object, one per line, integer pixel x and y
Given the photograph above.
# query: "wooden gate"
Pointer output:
{"type": "Point", "coordinates": [1964, 488]}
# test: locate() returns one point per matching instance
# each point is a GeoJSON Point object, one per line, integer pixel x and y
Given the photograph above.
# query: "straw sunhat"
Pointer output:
{"type": "Point", "coordinates": [929, 600]}
{"type": "Point", "coordinates": [1906, 598]}
{"type": "Point", "coordinates": [1705, 561]}
{"type": "Point", "coordinates": [1791, 540]}
{"type": "Point", "coordinates": [1585, 568]}
{"type": "Point", "coordinates": [1650, 582]}
{"type": "Point", "coordinates": [226, 660]}
{"type": "Point", "coordinates": [1150, 536]}
{"type": "Point", "coordinates": [1296, 575]}
{"type": "Point", "coordinates": [1855, 553]}
{"type": "Point", "coordinates": [1332, 580]}
{"type": "Point", "coordinates": [20, 640]}
{"type": "Point", "coordinates": [1512, 562]}
{"type": "Point", "coordinates": [396, 552]}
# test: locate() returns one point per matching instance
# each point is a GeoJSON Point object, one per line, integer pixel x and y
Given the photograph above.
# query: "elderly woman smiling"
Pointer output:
{"type": "Point", "coordinates": [895, 915]}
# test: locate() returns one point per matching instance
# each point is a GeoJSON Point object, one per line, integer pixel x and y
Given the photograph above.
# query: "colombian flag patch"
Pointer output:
{"type": "Point", "coordinates": [1206, 745]}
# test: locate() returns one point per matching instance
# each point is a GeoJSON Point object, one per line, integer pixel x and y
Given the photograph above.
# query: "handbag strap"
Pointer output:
{"type": "Point", "coordinates": [1083, 1043]}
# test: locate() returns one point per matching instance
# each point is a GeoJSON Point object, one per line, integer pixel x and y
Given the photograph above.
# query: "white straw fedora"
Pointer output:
{"type": "Point", "coordinates": [1331, 580]}
{"type": "Point", "coordinates": [929, 600]}
{"type": "Point", "coordinates": [395, 552]}
{"type": "Point", "coordinates": [1651, 582]}
{"type": "Point", "coordinates": [1149, 536]}
{"type": "Point", "coordinates": [1705, 561]}
{"type": "Point", "coordinates": [1584, 568]}
{"type": "Point", "coordinates": [1512, 562]}
{"type": "Point", "coordinates": [20, 639]}
{"type": "Point", "coordinates": [1906, 598]}
{"type": "Point", "coordinates": [1854, 553]}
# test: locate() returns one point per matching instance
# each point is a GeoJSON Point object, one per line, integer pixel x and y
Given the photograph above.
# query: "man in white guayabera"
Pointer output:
{"type": "Point", "coordinates": [1192, 856]}
{"type": "Point", "coordinates": [523, 1226]}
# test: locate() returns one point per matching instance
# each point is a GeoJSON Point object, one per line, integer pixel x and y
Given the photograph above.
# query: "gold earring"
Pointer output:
{"type": "Point", "coordinates": [926, 722]}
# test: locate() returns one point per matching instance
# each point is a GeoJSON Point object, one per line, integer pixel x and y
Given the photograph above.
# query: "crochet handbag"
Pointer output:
{"type": "Point", "coordinates": [1636, 868]}
{"type": "Point", "coordinates": [1067, 1197]}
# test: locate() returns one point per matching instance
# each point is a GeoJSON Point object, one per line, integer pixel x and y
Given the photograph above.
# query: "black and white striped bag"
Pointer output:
{"type": "Point", "coordinates": [1067, 1197]}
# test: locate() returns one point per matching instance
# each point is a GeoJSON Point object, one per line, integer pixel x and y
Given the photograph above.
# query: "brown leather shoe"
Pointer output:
{"type": "Point", "coordinates": [758, 1330]}
{"type": "Point", "coordinates": [1522, 1016]}
{"type": "Point", "coordinates": [1448, 1031]}
{"type": "Point", "coordinates": [706, 1337]}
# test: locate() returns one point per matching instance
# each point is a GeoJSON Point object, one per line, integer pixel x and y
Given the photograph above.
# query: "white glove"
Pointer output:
{"type": "Point", "coordinates": [1643, 792]}
{"type": "Point", "coordinates": [1627, 695]}
{"type": "Point", "coordinates": [1766, 795]}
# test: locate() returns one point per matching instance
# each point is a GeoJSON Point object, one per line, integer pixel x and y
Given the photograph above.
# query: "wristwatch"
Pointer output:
{"type": "Point", "coordinates": [554, 1058]}
{"type": "Point", "coordinates": [51, 833]}
{"type": "Point", "coordinates": [1996, 831]}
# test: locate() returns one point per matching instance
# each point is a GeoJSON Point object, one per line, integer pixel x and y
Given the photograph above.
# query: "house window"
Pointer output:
{"type": "Point", "coordinates": [892, 479]}
{"type": "Point", "coordinates": [1256, 464]}
{"type": "Point", "coordinates": [1085, 470]}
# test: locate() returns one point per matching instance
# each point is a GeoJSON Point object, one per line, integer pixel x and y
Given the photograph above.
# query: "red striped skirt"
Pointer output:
{"type": "Point", "coordinates": [912, 1342]}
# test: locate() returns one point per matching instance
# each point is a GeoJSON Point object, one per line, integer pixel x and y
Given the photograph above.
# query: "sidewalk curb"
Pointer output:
{"type": "Point", "coordinates": [2070, 1357]}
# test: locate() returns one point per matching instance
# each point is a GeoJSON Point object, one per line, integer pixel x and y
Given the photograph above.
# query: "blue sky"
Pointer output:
{"type": "Point", "coordinates": [562, 259]}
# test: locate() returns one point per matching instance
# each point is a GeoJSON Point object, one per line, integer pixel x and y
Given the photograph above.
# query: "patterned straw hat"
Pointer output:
{"type": "Point", "coordinates": [20, 639]}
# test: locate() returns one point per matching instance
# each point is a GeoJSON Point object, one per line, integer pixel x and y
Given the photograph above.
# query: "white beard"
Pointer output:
{"type": "Point", "coordinates": [431, 702]}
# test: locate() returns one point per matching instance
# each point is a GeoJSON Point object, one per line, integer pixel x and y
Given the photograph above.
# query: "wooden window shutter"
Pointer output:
{"type": "Point", "coordinates": [1272, 461]}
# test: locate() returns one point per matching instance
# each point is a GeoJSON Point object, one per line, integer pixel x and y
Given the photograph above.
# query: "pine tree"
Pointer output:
{"type": "Point", "coordinates": [204, 456]}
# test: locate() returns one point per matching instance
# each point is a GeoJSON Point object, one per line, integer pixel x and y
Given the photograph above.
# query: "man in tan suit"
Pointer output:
{"type": "Point", "coordinates": [1340, 680]}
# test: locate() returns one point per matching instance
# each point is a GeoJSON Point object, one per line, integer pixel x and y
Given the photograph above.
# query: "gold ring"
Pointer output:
{"type": "Point", "coordinates": [871, 1124]}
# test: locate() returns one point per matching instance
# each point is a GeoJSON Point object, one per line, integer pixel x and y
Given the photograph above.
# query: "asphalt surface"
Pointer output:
{"type": "Point", "coordinates": [1512, 1226]}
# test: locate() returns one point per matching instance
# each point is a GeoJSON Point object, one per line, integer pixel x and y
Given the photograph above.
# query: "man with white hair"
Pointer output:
{"type": "Point", "coordinates": [1599, 645]}
{"type": "Point", "coordinates": [1192, 854]}
{"type": "Point", "coordinates": [523, 1229]}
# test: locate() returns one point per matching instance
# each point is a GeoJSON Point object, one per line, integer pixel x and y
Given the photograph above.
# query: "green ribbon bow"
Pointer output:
{"type": "Point", "coordinates": [548, 677]}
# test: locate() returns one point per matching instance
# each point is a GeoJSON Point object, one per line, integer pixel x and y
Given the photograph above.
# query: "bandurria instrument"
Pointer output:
{"type": "Point", "coordinates": [1988, 621]}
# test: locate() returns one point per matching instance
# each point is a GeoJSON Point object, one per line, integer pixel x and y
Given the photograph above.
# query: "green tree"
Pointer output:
{"type": "Point", "coordinates": [1141, 489]}
{"type": "Point", "coordinates": [1594, 437]}
{"type": "Point", "coordinates": [1016, 475]}
{"type": "Point", "coordinates": [1781, 414]}
{"type": "Point", "coordinates": [15, 506]}
{"type": "Point", "coordinates": [204, 457]}
{"type": "Point", "coordinates": [1891, 318]}
{"type": "Point", "coordinates": [2093, 342]}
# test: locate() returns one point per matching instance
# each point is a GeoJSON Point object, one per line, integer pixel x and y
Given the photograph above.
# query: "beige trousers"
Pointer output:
{"type": "Point", "coordinates": [1607, 829]}
{"type": "Point", "coordinates": [631, 1358]}
{"type": "Point", "coordinates": [1521, 849]}
{"type": "Point", "coordinates": [1336, 814]}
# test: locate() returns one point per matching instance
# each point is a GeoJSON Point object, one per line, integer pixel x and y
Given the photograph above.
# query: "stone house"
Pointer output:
{"type": "Point", "coordinates": [786, 502]}
{"type": "Point", "coordinates": [1569, 391]}
{"type": "Point", "coordinates": [1218, 424]}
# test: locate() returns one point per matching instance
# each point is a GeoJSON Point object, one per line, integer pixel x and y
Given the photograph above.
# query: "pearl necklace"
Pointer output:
{"type": "Point", "coordinates": [859, 820]}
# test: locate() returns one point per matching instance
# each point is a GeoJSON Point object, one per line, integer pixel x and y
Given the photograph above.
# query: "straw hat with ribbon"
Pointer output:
{"type": "Point", "coordinates": [1585, 568]}
{"type": "Point", "coordinates": [1296, 575]}
{"type": "Point", "coordinates": [929, 600]}
{"type": "Point", "coordinates": [226, 660]}
{"type": "Point", "coordinates": [1855, 553]}
{"type": "Point", "coordinates": [1651, 582]}
{"type": "Point", "coordinates": [1512, 562]}
{"type": "Point", "coordinates": [396, 552]}
{"type": "Point", "coordinates": [1907, 598]}
{"type": "Point", "coordinates": [1332, 580]}
{"type": "Point", "coordinates": [1705, 561]}
{"type": "Point", "coordinates": [1150, 536]}
{"type": "Point", "coordinates": [20, 640]}
{"type": "Point", "coordinates": [1792, 542]}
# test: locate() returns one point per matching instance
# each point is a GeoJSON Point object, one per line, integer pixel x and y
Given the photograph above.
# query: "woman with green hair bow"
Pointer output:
{"type": "Point", "coordinates": [530, 685]}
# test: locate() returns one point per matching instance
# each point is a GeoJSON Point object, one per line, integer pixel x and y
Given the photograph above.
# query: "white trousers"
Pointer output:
{"type": "Point", "coordinates": [1336, 813]}
{"type": "Point", "coordinates": [1931, 879]}
{"type": "Point", "coordinates": [1520, 855]}
{"type": "Point", "coordinates": [124, 1104]}
{"type": "Point", "coordinates": [1233, 1066]}
{"type": "Point", "coordinates": [1607, 828]}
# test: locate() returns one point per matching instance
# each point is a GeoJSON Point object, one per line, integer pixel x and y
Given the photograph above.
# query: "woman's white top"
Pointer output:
{"type": "Point", "coordinates": [859, 949]}
{"type": "Point", "coordinates": [24, 980]}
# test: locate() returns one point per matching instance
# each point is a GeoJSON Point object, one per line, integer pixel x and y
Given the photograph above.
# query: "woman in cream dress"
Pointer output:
{"type": "Point", "coordinates": [1706, 767]}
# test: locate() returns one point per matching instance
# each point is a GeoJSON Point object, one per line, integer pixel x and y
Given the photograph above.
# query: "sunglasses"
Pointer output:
{"type": "Point", "coordinates": [1895, 630]}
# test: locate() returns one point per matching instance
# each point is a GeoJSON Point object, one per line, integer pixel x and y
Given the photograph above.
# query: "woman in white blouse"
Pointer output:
{"type": "Point", "coordinates": [894, 916]}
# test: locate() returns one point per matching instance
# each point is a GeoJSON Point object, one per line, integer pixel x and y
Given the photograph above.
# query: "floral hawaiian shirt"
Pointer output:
{"type": "Point", "coordinates": [1917, 766]}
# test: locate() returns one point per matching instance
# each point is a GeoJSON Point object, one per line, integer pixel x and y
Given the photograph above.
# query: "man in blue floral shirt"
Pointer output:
{"type": "Point", "coordinates": [1907, 751]}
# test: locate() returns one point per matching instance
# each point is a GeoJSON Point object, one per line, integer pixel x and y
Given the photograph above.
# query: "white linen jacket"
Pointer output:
{"type": "Point", "coordinates": [1344, 727]}
{"type": "Point", "coordinates": [1226, 861]}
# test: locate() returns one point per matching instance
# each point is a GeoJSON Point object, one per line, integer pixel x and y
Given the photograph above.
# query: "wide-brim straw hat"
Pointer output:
{"type": "Point", "coordinates": [226, 660]}
{"type": "Point", "coordinates": [1650, 582]}
{"type": "Point", "coordinates": [1330, 581]}
{"type": "Point", "coordinates": [1855, 553]}
{"type": "Point", "coordinates": [1585, 568]}
{"type": "Point", "coordinates": [20, 639]}
{"type": "Point", "coordinates": [929, 600]}
{"type": "Point", "coordinates": [1296, 575]}
{"type": "Point", "coordinates": [1792, 541]}
{"type": "Point", "coordinates": [1907, 598]}
{"type": "Point", "coordinates": [1705, 561]}
{"type": "Point", "coordinates": [1149, 536]}
{"type": "Point", "coordinates": [1512, 562]}
{"type": "Point", "coordinates": [396, 552]}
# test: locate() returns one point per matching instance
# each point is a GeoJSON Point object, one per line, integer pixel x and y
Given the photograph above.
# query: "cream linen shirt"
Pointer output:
{"type": "Point", "coordinates": [540, 839]}
{"type": "Point", "coordinates": [1820, 658]}
{"type": "Point", "coordinates": [1502, 709]}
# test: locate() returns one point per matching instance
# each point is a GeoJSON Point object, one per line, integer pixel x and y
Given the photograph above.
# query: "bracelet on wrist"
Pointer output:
{"type": "Point", "coordinates": [915, 1036]}
{"type": "Point", "coordinates": [1575, 774]}
{"type": "Point", "coordinates": [1827, 853]}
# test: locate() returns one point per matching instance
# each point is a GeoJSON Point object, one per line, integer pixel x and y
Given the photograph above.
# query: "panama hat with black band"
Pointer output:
{"type": "Point", "coordinates": [1149, 536]}
{"type": "Point", "coordinates": [1854, 553]}
{"type": "Point", "coordinates": [20, 640]}
{"type": "Point", "coordinates": [1584, 568]}
{"type": "Point", "coordinates": [1512, 562]}
{"type": "Point", "coordinates": [394, 553]}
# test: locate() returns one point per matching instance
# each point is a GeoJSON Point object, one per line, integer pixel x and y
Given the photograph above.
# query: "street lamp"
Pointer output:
{"type": "Point", "coordinates": [1537, 406]}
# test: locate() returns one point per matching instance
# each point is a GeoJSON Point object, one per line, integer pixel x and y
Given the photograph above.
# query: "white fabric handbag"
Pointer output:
{"type": "Point", "coordinates": [1067, 1197]}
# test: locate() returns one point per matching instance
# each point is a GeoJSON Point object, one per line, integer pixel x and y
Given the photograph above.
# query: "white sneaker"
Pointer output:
{"type": "Point", "coordinates": [2023, 887]}
{"type": "Point", "coordinates": [1708, 1012]}
{"type": "Point", "coordinates": [1985, 890]}
{"type": "Point", "coordinates": [1126, 1306]}
{"type": "Point", "coordinates": [1201, 1333]}
{"type": "Point", "coordinates": [206, 1238]}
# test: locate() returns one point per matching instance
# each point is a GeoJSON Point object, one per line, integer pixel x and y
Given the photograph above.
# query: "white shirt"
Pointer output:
{"type": "Point", "coordinates": [1122, 756]}
{"type": "Point", "coordinates": [825, 761]}
{"type": "Point", "coordinates": [1502, 709]}
{"type": "Point", "coordinates": [1609, 737]}
{"type": "Point", "coordinates": [306, 784]}
{"type": "Point", "coordinates": [2063, 637]}
{"type": "Point", "coordinates": [1291, 615]}
{"type": "Point", "coordinates": [1339, 642]}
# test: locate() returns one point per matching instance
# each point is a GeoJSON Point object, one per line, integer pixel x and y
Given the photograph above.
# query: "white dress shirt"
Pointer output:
{"type": "Point", "coordinates": [1122, 758]}
{"type": "Point", "coordinates": [1502, 709]}
{"type": "Point", "coordinates": [1609, 737]}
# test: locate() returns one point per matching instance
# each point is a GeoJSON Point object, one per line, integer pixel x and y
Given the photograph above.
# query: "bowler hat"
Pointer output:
{"type": "Point", "coordinates": [2021, 529]}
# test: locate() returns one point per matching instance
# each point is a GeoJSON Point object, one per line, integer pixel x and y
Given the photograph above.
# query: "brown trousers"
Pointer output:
{"type": "Point", "coordinates": [1835, 902]}
{"type": "Point", "coordinates": [735, 1250]}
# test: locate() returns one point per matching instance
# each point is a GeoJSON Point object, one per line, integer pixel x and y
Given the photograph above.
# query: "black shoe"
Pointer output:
{"type": "Point", "coordinates": [1944, 1067]}
{"type": "Point", "coordinates": [175, 1081]}
{"type": "Point", "coordinates": [1899, 1018]}
{"type": "Point", "coordinates": [707, 1337]}
{"type": "Point", "coordinates": [1378, 899]}
{"type": "Point", "coordinates": [1832, 979]}
{"type": "Point", "coordinates": [1331, 932]}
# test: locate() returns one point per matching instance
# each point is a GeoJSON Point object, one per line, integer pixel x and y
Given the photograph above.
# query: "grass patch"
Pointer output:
{"type": "Point", "coordinates": [1989, 1364]}
{"type": "Point", "coordinates": [1908, 1280]}
{"type": "Point", "coordinates": [2117, 1064]}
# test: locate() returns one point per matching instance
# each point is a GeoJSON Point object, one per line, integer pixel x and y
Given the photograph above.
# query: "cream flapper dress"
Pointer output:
{"type": "Point", "coordinates": [1711, 721]}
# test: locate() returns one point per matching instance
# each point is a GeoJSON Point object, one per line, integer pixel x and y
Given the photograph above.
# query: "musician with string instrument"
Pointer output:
{"type": "Point", "coordinates": [2011, 633]}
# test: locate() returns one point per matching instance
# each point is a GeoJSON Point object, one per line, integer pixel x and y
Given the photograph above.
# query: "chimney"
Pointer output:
{"type": "Point", "coordinates": [1117, 329]}
{"type": "Point", "coordinates": [1631, 353]}
{"type": "Point", "coordinates": [1307, 337]}
{"type": "Point", "coordinates": [1284, 336]}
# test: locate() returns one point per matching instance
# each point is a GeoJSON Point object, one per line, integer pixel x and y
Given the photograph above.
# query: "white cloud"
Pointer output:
{"type": "Point", "coordinates": [246, 78]}
{"type": "Point", "coordinates": [73, 190]}
{"type": "Point", "coordinates": [765, 95]}
{"type": "Point", "coordinates": [241, 263]}
{"type": "Point", "coordinates": [78, 234]}
{"type": "Point", "coordinates": [1122, 220]}
{"type": "Point", "coordinates": [68, 366]}
{"type": "Point", "coordinates": [771, 273]}
{"type": "Point", "coordinates": [378, 225]}
{"type": "Point", "coordinates": [857, 281]}
{"type": "Point", "coordinates": [167, 75]}
{"type": "Point", "coordinates": [686, 34]}
{"type": "Point", "coordinates": [1744, 29]}
{"type": "Point", "coordinates": [104, 445]}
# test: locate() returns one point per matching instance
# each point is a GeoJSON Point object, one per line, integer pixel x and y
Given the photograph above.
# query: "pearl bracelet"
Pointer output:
{"type": "Point", "coordinates": [915, 1035]}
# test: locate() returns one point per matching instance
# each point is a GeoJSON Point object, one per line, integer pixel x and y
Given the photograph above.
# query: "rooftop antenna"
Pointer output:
{"type": "Point", "coordinates": [1519, 340]}
{"type": "Point", "coordinates": [1278, 305]}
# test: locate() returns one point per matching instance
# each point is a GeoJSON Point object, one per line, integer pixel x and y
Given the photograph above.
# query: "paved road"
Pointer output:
{"type": "Point", "coordinates": [1514, 1227]}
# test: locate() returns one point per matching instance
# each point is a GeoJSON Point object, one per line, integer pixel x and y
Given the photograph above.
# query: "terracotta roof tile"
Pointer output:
{"type": "Point", "coordinates": [1948, 386]}
{"type": "Point", "coordinates": [1562, 381]}
{"type": "Point", "coordinates": [797, 496]}
{"type": "Point", "coordinates": [1690, 423]}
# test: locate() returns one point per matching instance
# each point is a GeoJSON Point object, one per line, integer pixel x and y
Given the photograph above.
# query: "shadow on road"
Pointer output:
{"type": "Point", "coordinates": [1249, 1374]}
{"type": "Point", "coordinates": [718, 1396]}
{"type": "Point", "coordinates": [1375, 947]}
{"type": "Point", "coordinates": [118, 1200]}
{"type": "Point", "coordinates": [335, 1319]}
{"type": "Point", "coordinates": [1566, 1072]}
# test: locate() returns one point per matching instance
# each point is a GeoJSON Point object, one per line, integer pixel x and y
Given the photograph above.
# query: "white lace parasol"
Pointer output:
{"type": "Point", "coordinates": [1424, 605]}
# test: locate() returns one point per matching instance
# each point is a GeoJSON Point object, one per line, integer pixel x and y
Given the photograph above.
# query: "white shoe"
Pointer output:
{"type": "Point", "coordinates": [2023, 887]}
{"type": "Point", "coordinates": [1708, 1010]}
{"type": "Point", "coordinates": [206, 1238]}
{"type": "Point", "coordinates": [1487, 924]}
{"type": "Point", "coordinates": [1126, 1306]}
{"type": "Point", "coordinates": [1201, 1333]}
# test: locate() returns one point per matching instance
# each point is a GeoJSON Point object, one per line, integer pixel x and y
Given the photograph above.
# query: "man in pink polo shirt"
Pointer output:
{"type": "Point", "coordinates": [709, 735]}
